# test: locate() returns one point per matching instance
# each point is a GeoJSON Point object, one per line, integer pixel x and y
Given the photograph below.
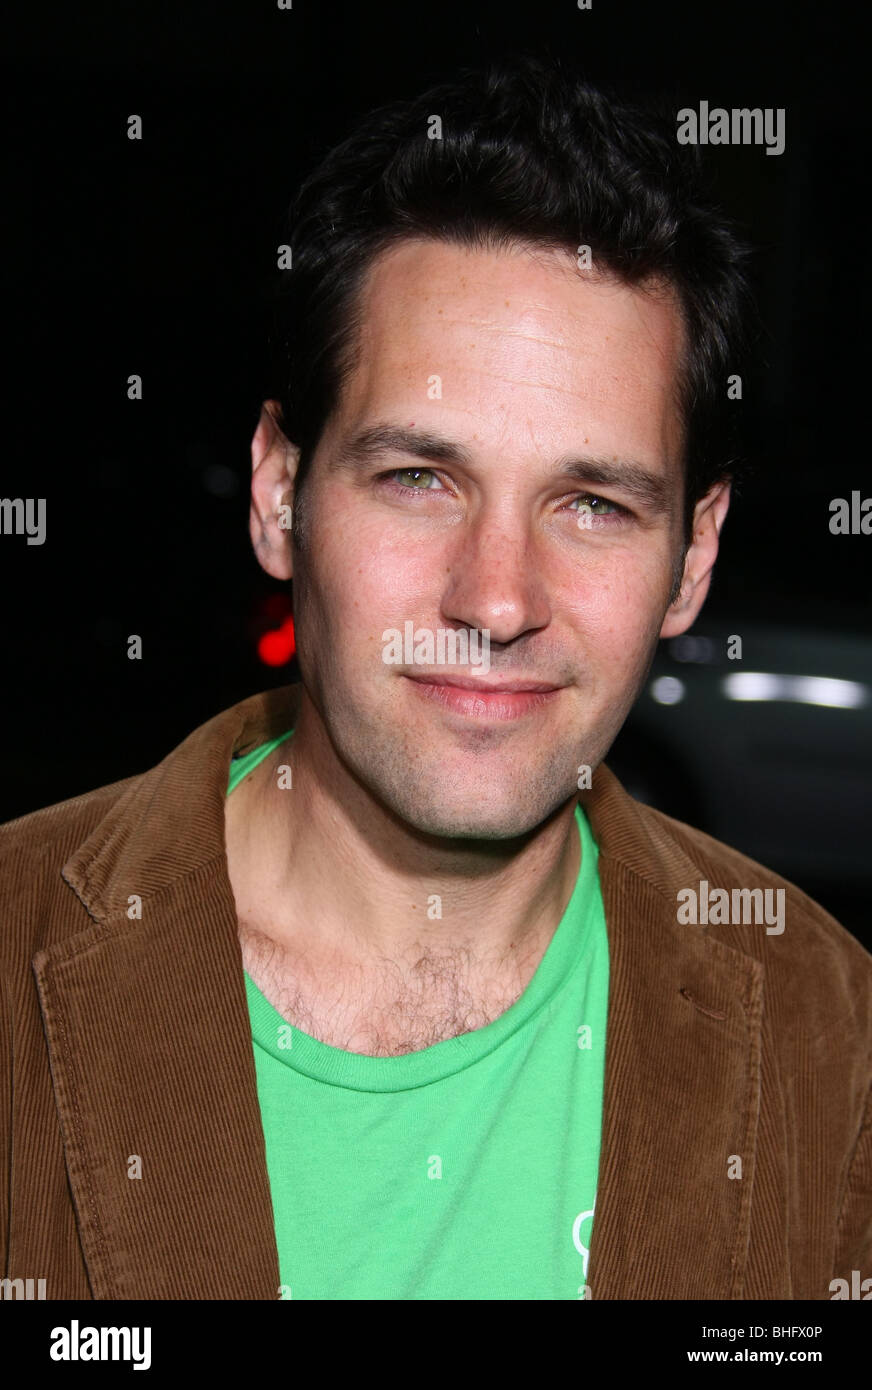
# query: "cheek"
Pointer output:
{"type": "Point", "coordinates": [362, 580]}
{"type": "Point", "coordinates": [615, 606]}
{"type": "Point", "coordinates": [388, 573]}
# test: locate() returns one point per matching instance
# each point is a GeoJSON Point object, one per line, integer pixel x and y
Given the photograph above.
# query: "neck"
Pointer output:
{"type": "Point", "coordinates": [324, 866]}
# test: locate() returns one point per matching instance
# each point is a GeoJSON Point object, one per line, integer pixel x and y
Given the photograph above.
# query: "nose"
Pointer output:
{"type": "Point", "coordinates": [496, 579]}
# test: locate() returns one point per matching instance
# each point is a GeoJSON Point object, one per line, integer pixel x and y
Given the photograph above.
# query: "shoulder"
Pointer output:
{"type": "Point", "coordinates": [33, 851]}
{"type": "Point", "coordinates": [814, 967]}
{"type": "Point", "coordinates": [54, 830]}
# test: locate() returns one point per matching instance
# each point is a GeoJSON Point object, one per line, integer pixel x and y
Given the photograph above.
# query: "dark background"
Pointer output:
{"type": "Point", "coordinates": [156, 257]}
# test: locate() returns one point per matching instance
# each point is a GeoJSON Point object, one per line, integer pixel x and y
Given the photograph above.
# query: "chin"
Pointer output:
{"type": "Point", "coordinates": [507, 828]}
{"type": "Point", "coordinates": [464, 820]}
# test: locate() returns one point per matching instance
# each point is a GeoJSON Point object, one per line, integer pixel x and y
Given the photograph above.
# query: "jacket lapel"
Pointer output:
{"type": "Point", "coordinates": [150, 1044]}
{"type": "Point", "coordinates": [149, 1037]}
{"type": "Point", "coordinates": [682, 1078]}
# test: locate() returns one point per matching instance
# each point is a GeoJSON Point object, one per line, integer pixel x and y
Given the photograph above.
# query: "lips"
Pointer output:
{"type": "Point", "coordinates": [484, 701]}
{"type": "Point", "coordinates": [487, 687]}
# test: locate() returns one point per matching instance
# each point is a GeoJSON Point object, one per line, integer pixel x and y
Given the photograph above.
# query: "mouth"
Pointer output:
{"type": "Point", "coordinates": [484, 700]}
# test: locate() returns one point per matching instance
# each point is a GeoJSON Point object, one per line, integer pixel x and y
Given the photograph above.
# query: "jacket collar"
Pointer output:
{"type": "Point", "coordinates": [147, 1027]}
{"type": "Point", "coordinates": [169, 823]}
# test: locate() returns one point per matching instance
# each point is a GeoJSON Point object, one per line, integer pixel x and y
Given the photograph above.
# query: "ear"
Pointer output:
{"type": "Point", "coordinates": [708, 517]}
{"type": "Point", "coordinates": [274, 463]}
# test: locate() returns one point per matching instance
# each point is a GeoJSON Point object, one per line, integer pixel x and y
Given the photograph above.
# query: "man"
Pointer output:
{"type": "Point", "coordinates": [380, 986]}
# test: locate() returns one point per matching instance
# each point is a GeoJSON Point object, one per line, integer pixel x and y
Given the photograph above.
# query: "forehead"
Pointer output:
{"type": "Point", "coordinates": [519, 339]}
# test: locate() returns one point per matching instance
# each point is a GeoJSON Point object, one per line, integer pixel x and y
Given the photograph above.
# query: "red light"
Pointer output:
{"type": "Point", "coordinates": [277, 648]}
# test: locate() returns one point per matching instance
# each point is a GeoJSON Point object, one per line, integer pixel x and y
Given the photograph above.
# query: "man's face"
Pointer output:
{"type": "Point", "coordinates": [540, 381]}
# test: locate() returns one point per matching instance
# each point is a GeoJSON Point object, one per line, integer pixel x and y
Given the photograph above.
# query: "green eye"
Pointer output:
{"type": "Point", "coordinates": [416, 475]}
{"type": "Point", "coordinates": [598, 506]}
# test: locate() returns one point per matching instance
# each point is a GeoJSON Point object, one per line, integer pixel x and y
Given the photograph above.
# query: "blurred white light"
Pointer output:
{"type": "Point", "coordinates": [800, 690]}
{"type": "Point", "coordinates": [667, 690]}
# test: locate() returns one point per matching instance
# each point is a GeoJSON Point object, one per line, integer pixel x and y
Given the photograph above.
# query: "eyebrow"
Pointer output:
{"type": "Point", "coordinates": [649, 489]}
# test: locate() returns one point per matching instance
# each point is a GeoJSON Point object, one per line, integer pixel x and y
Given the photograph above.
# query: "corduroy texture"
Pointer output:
{"type": "Point", "coordinates": [123, 1037]}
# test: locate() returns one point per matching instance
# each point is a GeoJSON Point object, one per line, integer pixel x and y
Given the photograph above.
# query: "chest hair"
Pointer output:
{"type": "Point", "coordinates": [383, 1009]}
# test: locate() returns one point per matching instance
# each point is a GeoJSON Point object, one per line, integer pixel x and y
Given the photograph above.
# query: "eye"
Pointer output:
{"type": "Point", "coordinates": [597, 506]}
{"type": "Point", "coordinates": [413, 479]}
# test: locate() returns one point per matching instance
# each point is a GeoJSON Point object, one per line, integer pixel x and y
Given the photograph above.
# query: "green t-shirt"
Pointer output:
{"type": "Point", "coordinates": [465, 1171]}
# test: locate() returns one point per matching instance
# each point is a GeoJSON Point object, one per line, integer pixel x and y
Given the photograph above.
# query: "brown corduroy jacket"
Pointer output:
{"type": "Point", "coordinates": [736, 1153]}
